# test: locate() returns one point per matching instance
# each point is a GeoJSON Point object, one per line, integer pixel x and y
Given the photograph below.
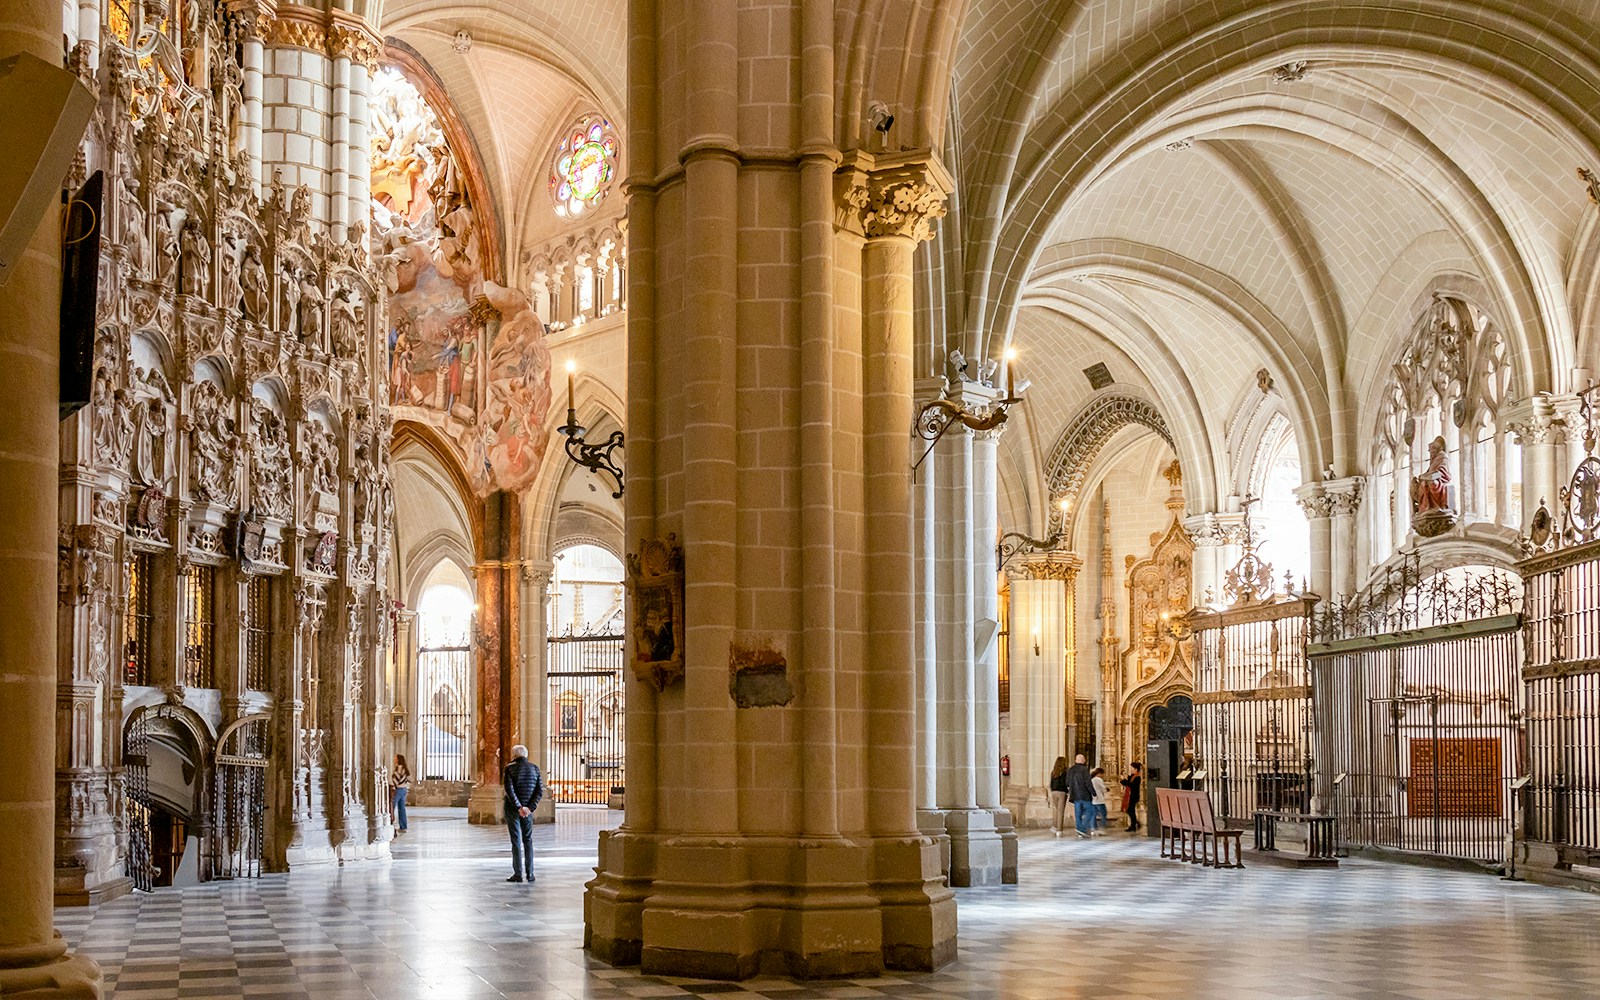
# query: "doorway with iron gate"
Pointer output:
{"type": "Point", "coordinates": [587, 706]}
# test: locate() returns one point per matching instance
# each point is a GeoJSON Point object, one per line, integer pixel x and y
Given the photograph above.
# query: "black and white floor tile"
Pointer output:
{"type": "Point", "coordinates": [1105, 919]}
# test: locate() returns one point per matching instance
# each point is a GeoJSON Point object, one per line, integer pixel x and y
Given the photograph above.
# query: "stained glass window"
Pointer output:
{"type": "Point", "coordinates": [584, 164]}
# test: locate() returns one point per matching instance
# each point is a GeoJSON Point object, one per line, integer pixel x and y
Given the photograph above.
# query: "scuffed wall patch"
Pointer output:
{"type": "Point", "coordinates": [758, 671]}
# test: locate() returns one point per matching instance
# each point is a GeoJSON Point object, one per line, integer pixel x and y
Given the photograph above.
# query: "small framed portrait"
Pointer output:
{"type": "Point", "coordinates": [655, 584]}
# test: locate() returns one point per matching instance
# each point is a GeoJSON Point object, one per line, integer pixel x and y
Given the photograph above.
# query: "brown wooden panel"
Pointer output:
{"type": "Point", "coordinates": [1468, 773]}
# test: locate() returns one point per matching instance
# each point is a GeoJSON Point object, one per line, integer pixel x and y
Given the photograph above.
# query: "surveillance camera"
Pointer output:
{"type": "Point", "coordinates": [879, 117]}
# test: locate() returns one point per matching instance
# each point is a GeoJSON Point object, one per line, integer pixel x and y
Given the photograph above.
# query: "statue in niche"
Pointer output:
{"type": "Point", "coordinates": [167, 250]}
{"type": "Point", "coordinates": [133, 232]}
{"type": "Point", "coordinates": [232, 285]}
{"type": "Point", "coordinates": [1431, 513]}
{"type": "Point", "coordinates": [196, 253]}
{"type": "Point", "coordinates": [311, 328]}
{"type": "Point", "coordinates": [288, 309]}
{"type": "Point", "coordinates": [346, 334]}
{"type": "Point", "coordinates": [253, 283]}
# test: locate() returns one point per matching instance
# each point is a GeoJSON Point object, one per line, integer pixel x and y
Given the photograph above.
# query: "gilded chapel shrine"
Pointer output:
{"type": "Point", "coordinates": [1015, 499]}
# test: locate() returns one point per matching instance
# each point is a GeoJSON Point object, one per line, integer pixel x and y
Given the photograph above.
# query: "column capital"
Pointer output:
{"type": "Point", "coordinates": [1212, 529]}
{"type": "Point", "coordinates": [891, 195]}
{"type": "Point", "coordinates": [1345, 495]}
{"type": "Point", "coordinates": [336, 33]}
{"type": "Point", "coordinates": [1314, 500]}
{"type": "Point", "coordinates": [1061, 566]}
{"type": "Point", "coordinates": [1540, 419]}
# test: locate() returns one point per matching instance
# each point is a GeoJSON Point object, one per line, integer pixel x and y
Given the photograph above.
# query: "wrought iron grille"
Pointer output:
{"type": "Point", "coordinates": [1407, 599]}
{"type": "Point", "coordinates": [444, 672]}
{"type": "Point", "coordinates": [238, 827]}
{"type": "Point", "coordinates": [258, 633]}
{"type": "Point", "coordinates": [140, 865]}
{"type": "Point", "coordinates": [587, 704]}
{"type": "Point", "coordinates": [1428, 738]}
{"type": "Point", "coordinates": [1561, 670]}
{"type": "Point", "coordinates": [139, 620]}
{"type": "Point", "coordinates": [199, 626]}
{"type": "Point", "coordinates": [1254, 726]}
{"type": "Point", "coordinates": [1083, 720]}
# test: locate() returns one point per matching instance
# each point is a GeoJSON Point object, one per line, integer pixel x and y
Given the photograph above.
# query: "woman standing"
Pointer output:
{"type": "Point", "coordinates": [1058, 796]}
{"type": "Point", "coordinates": [1096, 778]}
{"type": "Point", "coordinates": [1132, 787]}
{"type": "Point", "coordinates": [402, 785]}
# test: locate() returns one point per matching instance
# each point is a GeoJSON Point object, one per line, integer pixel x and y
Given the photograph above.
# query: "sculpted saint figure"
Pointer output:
{"type": "Point", "coordinates": [1431, 490]}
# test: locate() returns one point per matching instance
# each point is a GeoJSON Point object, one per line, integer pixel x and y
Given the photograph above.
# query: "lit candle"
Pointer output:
{"type": "Point", "coordinates": [572, 366]}
{"type": "Point", "coordinates": [1011, 373]}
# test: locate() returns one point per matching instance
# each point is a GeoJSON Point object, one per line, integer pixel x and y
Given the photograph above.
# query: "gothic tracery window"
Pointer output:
{"type": "Point", "coordinates": [1452, 380]}
{"type": "Point", "coordinates": [583, 166]}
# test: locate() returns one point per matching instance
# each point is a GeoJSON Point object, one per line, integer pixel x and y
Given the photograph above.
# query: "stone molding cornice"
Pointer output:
{"type": "Point", "coordinates": [334, 33]}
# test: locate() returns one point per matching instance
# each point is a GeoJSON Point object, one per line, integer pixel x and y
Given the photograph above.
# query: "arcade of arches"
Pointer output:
{"type": "Point", "coordinates": [974, 361]}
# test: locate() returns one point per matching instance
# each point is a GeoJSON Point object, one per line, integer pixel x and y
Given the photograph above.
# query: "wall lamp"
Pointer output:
{"type": "Point", "coordinates": [938, 415]}
{"type": "Point", "coordinates": [597, 458]}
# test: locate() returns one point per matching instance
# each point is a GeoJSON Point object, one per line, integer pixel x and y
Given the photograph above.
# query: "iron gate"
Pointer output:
{"type": "Point", "coordinates": [1423, 678]}
{"type": "Point", "coordinates": [445, 720]}
{"type": "Point", "coordinates": [587, 702]}
{"type": "Point", "coordinates": [237, 832]}
{"type": "Point", "coordinates": [136, 802]}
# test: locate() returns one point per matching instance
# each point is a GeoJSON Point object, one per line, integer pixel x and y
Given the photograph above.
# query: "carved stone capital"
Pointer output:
{"type": "Point", "coordinates": [1344, 495]}
{"type": "Point", "coordinates": [898, 195]}
{"type": "Point", "coordinates": [1212, 529]}
{"type": "Point", "coordinates": [1314, 500]}
{"type": "Point", "coordinates": [1061, 566]}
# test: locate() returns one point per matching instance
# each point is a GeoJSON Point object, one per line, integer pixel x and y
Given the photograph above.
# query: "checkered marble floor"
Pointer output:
{"type": "Point", "coordinates": [1103, 918]}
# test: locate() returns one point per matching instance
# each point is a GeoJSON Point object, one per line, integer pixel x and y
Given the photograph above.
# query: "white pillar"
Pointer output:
{"type": "Point", "coordinates": [1318, 507]}
{"type": "Point", "coordinates": [1040, 637]}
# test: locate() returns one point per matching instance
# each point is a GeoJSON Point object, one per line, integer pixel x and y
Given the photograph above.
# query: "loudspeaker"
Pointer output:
{"type": "Point", "coordinates": [48, 110]}
{"type": "Point", "coordinates": [80, 279]}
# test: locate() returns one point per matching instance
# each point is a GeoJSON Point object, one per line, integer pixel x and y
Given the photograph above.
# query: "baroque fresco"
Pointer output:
{"type": "Point", "coordinates": [465, 355]}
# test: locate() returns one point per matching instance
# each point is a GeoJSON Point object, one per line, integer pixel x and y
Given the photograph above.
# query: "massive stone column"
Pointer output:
{"type": "Point", "coordinates": [1041, 634]}
{"type": "Point", "coordinates": [771, 820]}
{"type": "Point", "coordinates": [498, 721]}
{"type": "Point", "coordinates": [33, 957]}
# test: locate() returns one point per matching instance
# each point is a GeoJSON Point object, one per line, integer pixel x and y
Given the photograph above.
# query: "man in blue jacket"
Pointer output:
{"type": "Point", "coordinates": [524, 788]}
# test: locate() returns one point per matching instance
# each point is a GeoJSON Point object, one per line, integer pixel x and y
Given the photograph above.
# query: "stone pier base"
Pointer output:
{"type": "Point", "coordinates": [739, 906]}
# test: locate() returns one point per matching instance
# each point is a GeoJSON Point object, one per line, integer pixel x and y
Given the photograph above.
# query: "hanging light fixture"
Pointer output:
{"type": "Point", "coordinates": [597, 458]}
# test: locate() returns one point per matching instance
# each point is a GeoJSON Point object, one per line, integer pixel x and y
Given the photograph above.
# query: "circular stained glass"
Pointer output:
{"type": "Point", "coordinates": [584, 164]}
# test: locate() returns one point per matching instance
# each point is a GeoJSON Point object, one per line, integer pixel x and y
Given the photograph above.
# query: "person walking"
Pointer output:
{"type": "Point", "coordinates": [1132, 785]}
{"type": "Point", "coordinates": [1097, 779]}
{"type": "Point", "coordinates": [1080, 789]}
{"type": "Point", "coordinates": [1058, 796]}
{"type": "Point", "coordinates": [524, 788]}
{"type": "Point", "coordinates": [402, 788]}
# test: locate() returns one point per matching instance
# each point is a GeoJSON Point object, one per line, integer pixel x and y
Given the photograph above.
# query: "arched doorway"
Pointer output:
{"type": "Point", "coordinates": [585, 676]}
{"type": "Point", "coordinates": [166, 761]}
{"type": "Point", "coordinates": [1171, 720]}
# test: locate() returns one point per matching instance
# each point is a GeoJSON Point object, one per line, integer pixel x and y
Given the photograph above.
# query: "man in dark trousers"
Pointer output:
{"type": "Point", "coordinates": [1134, 783]}
{"type": "Point", "coordinates": [1080, 789]}
{"type": "Point", "coordinates": [524, 788]}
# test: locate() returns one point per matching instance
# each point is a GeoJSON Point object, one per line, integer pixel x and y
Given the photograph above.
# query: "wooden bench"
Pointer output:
{"type": "Point", "coordinates": [1190, 830]}
{"type": "Point", "coordinates": [1321, 835]}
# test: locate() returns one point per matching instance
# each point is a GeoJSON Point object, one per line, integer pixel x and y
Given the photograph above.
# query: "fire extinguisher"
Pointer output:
{"type": "Point", "coordinates": [1005, 766]}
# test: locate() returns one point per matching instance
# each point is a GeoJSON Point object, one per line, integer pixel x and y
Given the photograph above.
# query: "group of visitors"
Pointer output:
{"type": "Point", "coordinates": [1086, 790]}
{"type": "Point", "coordinates": [524, 787]}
